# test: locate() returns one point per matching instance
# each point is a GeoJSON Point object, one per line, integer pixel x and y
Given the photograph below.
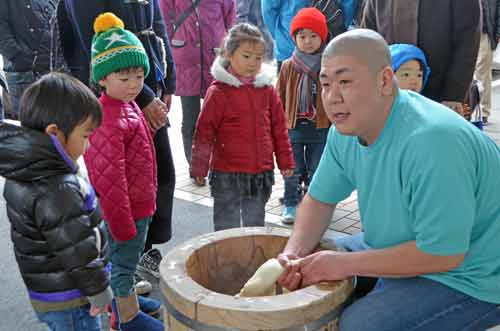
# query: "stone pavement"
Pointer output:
{"type": "Point", "coordinates": [346, 219]}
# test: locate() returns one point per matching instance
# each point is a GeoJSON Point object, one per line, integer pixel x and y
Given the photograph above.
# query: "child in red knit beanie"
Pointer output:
{"type": "Point", "coordinates": [300, 92]}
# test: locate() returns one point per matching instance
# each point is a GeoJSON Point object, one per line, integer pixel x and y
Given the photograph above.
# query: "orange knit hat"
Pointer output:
{"type": "Point", "coordinates": [312, 19]}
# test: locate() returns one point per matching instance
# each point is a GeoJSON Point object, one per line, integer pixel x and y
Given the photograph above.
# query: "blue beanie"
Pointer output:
{"type": "Point", "coordinates": [402, 53]}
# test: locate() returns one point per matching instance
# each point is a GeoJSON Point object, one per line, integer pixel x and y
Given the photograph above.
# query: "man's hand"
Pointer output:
{"type": "Point", "coordinates": [286, 173]}
{"type": "Point", "coordinates": [156, 114]}
{"type": "Point", "coordinates": [455, 106]}
{"type": "Point", "coordinates": [167, 100]}
{"type": "Point", "coordinates": [291, 277]}
{"type": "Point", "coordinates": [321, 266]}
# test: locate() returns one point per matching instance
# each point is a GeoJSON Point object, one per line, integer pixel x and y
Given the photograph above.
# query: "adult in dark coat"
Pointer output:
{"type": "Point", "coordinates": [76, 20]}
{"type": "Point", "coordinates": [25, 44]}
{"type": "Point", "coordinates": [448, 31]}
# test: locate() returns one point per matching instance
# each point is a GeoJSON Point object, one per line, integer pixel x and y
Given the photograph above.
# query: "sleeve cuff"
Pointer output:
{"type": "Point", "coordinates": [102, 299]}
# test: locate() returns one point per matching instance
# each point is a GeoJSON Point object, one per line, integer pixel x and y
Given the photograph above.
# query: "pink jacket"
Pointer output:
{"type": "Point", "coordinates": [121, 162]}
{"type": "Point", "coordinates": [195, 40]}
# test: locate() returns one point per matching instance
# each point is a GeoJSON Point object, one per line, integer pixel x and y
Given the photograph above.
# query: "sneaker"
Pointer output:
{"type": "Point", "coordinates": [288, 215]}
{"type": "Point", "coordinates": [142, 286]}
{"type": "Point", "coordinates": [150, 262]}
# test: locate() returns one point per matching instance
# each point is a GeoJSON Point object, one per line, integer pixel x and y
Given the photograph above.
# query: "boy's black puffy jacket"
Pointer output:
{"type": "Point", "coordinates": [51, 227]}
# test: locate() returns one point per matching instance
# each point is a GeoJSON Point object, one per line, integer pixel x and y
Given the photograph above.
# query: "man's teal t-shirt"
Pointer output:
{"type": "Point", "coordinates": [431, 177]}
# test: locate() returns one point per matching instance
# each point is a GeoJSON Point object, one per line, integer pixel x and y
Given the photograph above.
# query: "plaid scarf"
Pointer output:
{"type": "Point", "coordinates": [308, 65]}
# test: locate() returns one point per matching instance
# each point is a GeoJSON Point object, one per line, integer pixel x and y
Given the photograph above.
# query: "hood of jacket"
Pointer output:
{"type": "Point", "coordinates": [28, 155]}
{"type": "Point", "coordinates": [220, 73]}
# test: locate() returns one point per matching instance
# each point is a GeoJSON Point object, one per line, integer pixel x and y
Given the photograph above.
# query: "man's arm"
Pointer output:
{"type": "Point", "coordinates": [404, 260]}
{"type": "Point", "coordinates": [313, 218]}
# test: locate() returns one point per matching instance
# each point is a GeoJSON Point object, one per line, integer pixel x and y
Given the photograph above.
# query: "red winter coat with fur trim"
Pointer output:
{"type": "Point", "coordinates": [240, 127]}
{"type": "Point", "coordinates": [121, 162]}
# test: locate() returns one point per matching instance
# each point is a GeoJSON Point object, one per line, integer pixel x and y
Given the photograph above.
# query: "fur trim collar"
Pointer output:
{"type": "Point", "coordinates": [220, 73]}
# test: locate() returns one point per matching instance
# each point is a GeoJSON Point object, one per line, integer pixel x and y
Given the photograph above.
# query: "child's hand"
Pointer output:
{"type": "Point", "coordinates": [286, 173]}
{"type": "Point", "coordinates": [94, 311]}
{"type": "Point", "coordinates": [199, 181]}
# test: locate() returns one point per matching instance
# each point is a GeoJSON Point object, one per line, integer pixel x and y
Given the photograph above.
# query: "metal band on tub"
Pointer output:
{"type": "Point", "coordinates": [200, 326]}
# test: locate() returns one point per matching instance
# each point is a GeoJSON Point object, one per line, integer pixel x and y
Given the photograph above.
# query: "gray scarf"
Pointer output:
{"type": "Point", "coordinates": [400, 20]}
{"type": "Point", "coordinates": [308, 65]}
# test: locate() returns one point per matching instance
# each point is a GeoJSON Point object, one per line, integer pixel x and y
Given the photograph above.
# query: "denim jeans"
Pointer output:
{"type": "Point", "coordinates": [76, 319]}
{"type": "Point", "coordinates": [17, 83]}
{"type": "Point", "coordinates": [414, 303]}
{"type": "Point", "coordinates": [307, 156]}
{"type": "Point", "coordinates": [191, 107]}
{"type": "Point", "coordinates": [233, 209]}
{"type": "Point", "coordinates": [124, 257]}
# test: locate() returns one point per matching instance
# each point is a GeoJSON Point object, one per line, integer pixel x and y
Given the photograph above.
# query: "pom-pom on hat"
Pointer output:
{"type": "Point", "coordinates": [114, 48]}
{"type": "Point", "coordinates": [312, 19]}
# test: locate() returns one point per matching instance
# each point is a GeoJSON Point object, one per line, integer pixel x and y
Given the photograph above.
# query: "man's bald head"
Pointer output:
{"type": "Point", "coordinates": [367, 46]}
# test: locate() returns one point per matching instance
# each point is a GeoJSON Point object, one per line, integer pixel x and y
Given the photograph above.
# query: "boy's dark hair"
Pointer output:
{"type": "Point", "coordinates": [238, 34]}
{"type": "Point", "coordinates": [57, 98]}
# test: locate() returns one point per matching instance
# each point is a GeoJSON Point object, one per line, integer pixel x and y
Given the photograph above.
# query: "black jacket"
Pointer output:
{"type": "Point", "coordinates": [449, 32]}
{"type": "Point", "coordinates": [491, 20]}
{"type": "Point", "coordinates": [25, 34]}
{"type": "Point", "coordinates": [76, 21]}
{"type": "Point", "coordinates": [52, 218]}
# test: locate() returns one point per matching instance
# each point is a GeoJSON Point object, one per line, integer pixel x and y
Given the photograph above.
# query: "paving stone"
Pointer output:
{"type": "Point", "coordinates": [342, 224]}
{"type": "Point", "coordinates": [352, 230]}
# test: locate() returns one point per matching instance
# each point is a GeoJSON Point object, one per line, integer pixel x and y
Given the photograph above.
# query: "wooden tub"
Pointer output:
{"type": "Point", "coordinates": [200, 277]}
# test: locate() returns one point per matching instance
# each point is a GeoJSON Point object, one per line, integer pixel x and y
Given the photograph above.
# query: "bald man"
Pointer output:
{"type": "Point", "coordinates": [427, 184]}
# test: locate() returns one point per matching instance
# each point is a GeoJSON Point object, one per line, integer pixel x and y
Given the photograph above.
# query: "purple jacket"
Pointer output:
{"type": "Point", "coordinates": [194, 55]}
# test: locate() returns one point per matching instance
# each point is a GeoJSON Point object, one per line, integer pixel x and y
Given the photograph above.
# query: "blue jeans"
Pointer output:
{"type": "Point", "coordinates": [307, 158]}
{"type": "Point", "coordinates": [76, 319]}
{"type": "Point", "coordinates": [17, 83]}
{"type": "Point", "coordinates": [124, 257]}
{"type": "Point", "coordinates": [414, 303]}
{"type": "Point", "coordinates": [191, 106]}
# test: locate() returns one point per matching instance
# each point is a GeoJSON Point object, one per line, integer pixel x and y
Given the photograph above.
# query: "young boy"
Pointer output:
{"type": "Point", "coordinates": [300, 92]}
{"type": "Point", "coordinates": [410, 66]}
{"type": "Point", "coordinates": [53, 211]}
{"type": "Point", "coordinates": [122, 165]}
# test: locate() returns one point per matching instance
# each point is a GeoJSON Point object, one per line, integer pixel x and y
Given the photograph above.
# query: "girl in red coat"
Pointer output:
{"type": "Point", "coordinates": [240, 129]}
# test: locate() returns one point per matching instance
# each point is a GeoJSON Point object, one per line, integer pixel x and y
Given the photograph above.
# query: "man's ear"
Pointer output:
{"type": "Point", "coordinates": [386, 81]}
{"type": "Point", "coordinates": [52, 129]}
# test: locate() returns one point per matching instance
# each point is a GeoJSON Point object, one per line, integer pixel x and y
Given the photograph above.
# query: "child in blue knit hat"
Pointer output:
{"type": "Point", "coordinates": [410, 66]}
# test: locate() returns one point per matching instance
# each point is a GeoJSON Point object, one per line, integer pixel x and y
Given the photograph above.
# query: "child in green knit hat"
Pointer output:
{"type": "Point", "coordinates": [121, 163]}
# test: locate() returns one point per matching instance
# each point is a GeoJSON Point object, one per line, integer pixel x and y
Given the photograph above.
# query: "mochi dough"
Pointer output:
{"type": "Point", "coordinates": [263, 280]}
